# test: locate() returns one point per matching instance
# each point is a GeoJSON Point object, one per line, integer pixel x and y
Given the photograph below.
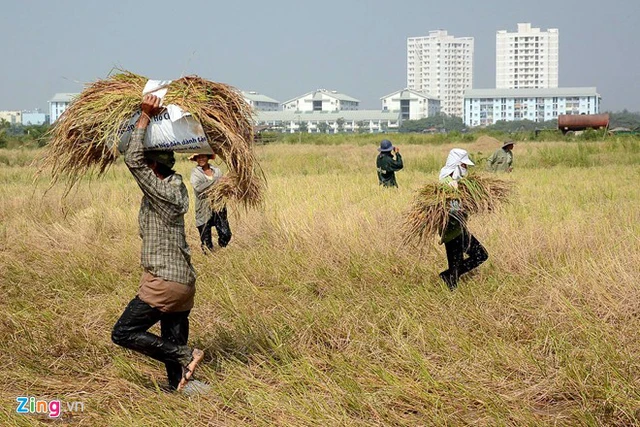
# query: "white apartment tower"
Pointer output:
{"type": "Point", "coordinates": [441, 65]}
{"type": "Point", "coordinates": [527, 59]}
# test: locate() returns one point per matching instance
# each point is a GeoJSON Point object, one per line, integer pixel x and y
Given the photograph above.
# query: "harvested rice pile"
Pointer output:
{"type": "Point", "coordinates": [488, 141]}
{"type": "Point", "coordinates": [85, 137]}
{"type": "Point", "coordinates": [429, 213]}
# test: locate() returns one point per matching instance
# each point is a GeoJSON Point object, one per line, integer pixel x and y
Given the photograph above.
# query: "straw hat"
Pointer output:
{"type": "Point", "coordinates": [193, 156]}
{"type": "Point", "coordinates": [507, 143]}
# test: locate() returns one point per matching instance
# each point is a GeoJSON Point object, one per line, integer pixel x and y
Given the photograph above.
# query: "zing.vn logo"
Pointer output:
{"type": "Point", "coordinates": [52, 408]}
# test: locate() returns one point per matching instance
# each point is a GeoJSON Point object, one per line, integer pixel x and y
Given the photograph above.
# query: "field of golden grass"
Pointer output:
{"type": "Point", "coordinates": [316, 314]}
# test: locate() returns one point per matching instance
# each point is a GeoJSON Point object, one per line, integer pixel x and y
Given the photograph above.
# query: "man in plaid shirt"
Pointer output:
{"type": "Point", "coordinates": [167, 286]}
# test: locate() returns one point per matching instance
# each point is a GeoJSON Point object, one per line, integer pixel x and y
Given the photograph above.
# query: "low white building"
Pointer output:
{"type": "Point", "coordinates": [13, 117]}
{"type": "Point", "coordinates": [260, 102]}
{"type": "Point", "coordinates": [321, 100]}
{"type": "Point", "coordinates": [411, 104]}
{"type": "Point", "coordinates": [483, 107]}
{"type": "Point", "coordinates": [35, 117]}
{"type": "Point", "coordinates": [58, 104]}
{"type": "Point", "coordinates": [358, 121]}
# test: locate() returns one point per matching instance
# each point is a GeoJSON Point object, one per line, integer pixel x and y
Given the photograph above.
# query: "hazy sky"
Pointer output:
{"type": "Point", "coordinates": [286, 48]}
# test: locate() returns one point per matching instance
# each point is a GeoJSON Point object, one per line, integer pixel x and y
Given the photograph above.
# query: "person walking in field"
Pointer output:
{"type": "Point", "coordinates": [387, 165]}
{"type": "Point", "coordinates": [502, 159]}
{"type": "Point", "coordinates": [167, 287]}
{"type": "Point", "coordinates": [204, 176]}
{"type": "Point", "coordinates": [457, 239]}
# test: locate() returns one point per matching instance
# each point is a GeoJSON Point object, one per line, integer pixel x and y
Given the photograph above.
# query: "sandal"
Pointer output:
{"type": "Point", "coordinates": [187, 371]}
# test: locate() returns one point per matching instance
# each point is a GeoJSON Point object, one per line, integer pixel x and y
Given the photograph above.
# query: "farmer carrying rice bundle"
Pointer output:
{"type": "Point", "coordinates": [188, 115]}
{"type": "Point", "coordinates": [167, 286]}
{"type": "Point", "coordinates": [204, 177]}
{"type": "Point", "coordinates": [442, 209]}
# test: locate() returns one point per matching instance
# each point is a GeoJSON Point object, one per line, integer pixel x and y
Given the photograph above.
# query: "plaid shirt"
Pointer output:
{"type": "Point", "coordinates": [165, 252]}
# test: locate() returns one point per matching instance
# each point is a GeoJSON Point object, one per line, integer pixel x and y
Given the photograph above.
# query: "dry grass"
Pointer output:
{"type": "Point", "coordinates": [429, 213]}
{"type": "Point", "coordinates": [84, 138]}
{"type": "Point", "coordinates": [317, 314]}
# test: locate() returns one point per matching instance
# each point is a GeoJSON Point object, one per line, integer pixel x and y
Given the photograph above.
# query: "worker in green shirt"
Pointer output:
{"type": "Point", "coordinates": [387, 165]}
{"type": "Point", "coordinates": [502, 159]}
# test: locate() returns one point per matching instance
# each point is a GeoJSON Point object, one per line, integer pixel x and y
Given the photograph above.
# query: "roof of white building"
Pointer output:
{"type": "Point", "coordinates": [63, 97]}
{"type": "Point", "coordinates": [524, 93]}
{"type": "Point", "coordinates": [406, 94]}
{"type": "Point", "coordinates": [441, 34]}
{"type": "Point", "coordinates": [317, 94]}
{"type": "Point", "coordinates": [357, 115]}
{"type": "Point", "coordinates": [526, 28]}
{"type": "Point", "coordinates": [258, 97]}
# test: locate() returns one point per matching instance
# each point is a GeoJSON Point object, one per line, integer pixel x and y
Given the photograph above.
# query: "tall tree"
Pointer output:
{"type": "Point", "coordinates": [363, 126]}
{"type": "Point", "coordinates": [323, 127]}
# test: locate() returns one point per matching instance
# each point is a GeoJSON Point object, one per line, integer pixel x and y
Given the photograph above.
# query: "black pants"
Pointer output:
{"type": "Point", "coordinates": [221, 223]}
{"type": "Point", "coordinates": [130, 331]}
{"type": "Point", "coordinates": [456, 249]}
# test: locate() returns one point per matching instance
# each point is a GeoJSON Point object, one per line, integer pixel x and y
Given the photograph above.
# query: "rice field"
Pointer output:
{"type": "Point", "coordinates": [317, 313]}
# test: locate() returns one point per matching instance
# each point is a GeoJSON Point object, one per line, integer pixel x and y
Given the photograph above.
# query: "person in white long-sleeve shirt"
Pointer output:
{"type": "Point", "coordinates": [204, 176]}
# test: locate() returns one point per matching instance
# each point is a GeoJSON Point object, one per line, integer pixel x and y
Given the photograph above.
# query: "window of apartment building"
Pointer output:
{"type": "Point", "coordinates": [317, 105]}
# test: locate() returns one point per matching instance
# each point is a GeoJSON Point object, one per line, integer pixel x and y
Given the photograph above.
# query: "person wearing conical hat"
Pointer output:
{"type": "Point", "coordinates": [457, 239]}
{"type": "Point", "coordinates": [502, 159]}
{"type": "Point", "coordinates": [203, 176]}
{"type": "Point", "coordinates": [388, 166]}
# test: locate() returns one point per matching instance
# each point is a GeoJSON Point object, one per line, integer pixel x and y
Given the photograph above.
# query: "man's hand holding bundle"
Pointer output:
{"type": "Point", "coordinates": [150, 107]}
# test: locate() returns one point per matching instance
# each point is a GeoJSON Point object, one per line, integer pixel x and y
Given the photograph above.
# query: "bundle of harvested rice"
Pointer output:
{"type": "Point", "coordinates": [429, 213]}
{"type": "Point", "coordinates": [85, 137]}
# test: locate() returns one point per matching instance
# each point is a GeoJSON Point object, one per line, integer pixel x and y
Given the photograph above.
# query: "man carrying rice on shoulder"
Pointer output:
{"type": "Point", "coordinates": [167, 287]}
{"type": "Point", "coordinates": [457, 239]}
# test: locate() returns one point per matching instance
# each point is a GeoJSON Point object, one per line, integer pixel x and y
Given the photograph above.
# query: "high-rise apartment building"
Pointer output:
{"type": "Point", "coordinates": [441, 65]}
{"type": "Point", "coordinates": [527, 59]}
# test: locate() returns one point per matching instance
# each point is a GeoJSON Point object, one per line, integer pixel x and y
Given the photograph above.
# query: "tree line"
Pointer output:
{"type": "Point", "coordinates": [442, 123]}
{"type": "Point", "coordinates": [17, 135]}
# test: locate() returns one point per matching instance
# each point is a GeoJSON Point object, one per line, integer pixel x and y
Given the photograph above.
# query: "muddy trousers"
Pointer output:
{"type": "Point", "coordinates": [458, 265]}
{"type": "Point", "coordinates": [221, 223]}
{"type": "Point", "coordinates": [130, 331]}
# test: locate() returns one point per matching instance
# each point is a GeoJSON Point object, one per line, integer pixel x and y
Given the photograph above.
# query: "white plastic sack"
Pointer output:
{"type": "Point", "coordinates": [172, 130]}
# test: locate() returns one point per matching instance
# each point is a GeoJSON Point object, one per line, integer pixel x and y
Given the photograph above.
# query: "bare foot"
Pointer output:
{"type": "Point", "coordinates": [198, 355]}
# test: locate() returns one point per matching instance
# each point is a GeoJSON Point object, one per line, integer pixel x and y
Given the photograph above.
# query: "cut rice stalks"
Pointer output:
{"type": "Point", "coordinates": [84, 139]}
{"type": "Point", "coordinates": [429, 212]}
